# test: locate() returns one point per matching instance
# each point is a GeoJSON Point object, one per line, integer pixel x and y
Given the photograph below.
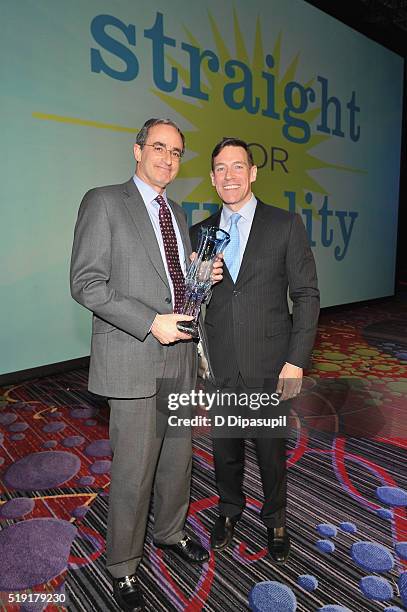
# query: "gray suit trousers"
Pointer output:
{"type": "Point", "coordinates": [144, 457]}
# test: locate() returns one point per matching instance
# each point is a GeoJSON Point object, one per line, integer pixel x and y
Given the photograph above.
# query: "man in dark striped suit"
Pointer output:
{"type": "Point", "coordinates": [252, 339]}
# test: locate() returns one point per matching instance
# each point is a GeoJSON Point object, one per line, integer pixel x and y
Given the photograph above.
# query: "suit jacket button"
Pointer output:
{"type": "Point", "coordinates": [168, 300]}
{"type": "Point", "coordinates": [235, 293]}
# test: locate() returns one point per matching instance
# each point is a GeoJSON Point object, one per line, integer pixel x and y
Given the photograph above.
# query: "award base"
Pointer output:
{"type": "Point", "coordinates": [188, 327]}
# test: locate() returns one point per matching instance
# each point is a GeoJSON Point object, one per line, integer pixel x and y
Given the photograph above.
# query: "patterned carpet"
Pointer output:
{"type": "Point", "coordinates": [347, 493]}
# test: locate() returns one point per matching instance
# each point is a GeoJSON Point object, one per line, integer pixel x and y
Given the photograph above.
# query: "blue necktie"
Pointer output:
{"type": "Point", "coordinates": [232, 251]}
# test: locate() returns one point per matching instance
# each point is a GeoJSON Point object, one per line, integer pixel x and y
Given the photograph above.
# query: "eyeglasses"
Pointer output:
{"type": "Point", "coordinates": [161, 150]}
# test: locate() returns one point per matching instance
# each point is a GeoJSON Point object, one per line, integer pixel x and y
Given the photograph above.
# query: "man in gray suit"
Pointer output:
{"type": "Point", "coordinates": [252, 341]}
{"type": "Point", "coordinates": [129, 256]}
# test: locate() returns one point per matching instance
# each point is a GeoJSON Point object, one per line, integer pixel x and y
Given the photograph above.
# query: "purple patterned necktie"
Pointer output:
{"type": "Point", "coordinates": [171, 254]}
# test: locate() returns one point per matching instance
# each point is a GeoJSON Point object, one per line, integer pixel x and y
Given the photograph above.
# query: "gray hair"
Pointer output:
{"type": "Point", "coordinates": [142, 135]}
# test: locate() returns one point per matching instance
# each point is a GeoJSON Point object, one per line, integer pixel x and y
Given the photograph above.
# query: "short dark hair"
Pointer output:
{"type": "Point", "coordinates": [229, 141]}
{"type": "Point", "coordinates": [142, 135]}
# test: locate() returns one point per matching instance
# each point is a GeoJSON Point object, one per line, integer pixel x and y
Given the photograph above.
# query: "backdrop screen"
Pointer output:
{"type": "Point", "coordinates": [320, 104]}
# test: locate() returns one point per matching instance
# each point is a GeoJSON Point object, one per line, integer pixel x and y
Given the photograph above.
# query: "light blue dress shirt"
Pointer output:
{"type": "Point", "coordinates": [149, 194]}
{"type": "Point", "coordinates": [244, 225]}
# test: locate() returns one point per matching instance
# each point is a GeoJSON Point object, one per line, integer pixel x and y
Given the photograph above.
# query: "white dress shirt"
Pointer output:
{"type": "Point", "coordinates": [149, 194]}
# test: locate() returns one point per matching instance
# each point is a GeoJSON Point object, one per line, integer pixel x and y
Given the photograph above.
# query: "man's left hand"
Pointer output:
{"type": "Point", "coordinates": [289, 381]}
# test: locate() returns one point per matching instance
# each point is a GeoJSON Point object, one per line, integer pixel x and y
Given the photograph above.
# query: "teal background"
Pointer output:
{"type": "Point", "coordinates": [47, 166]}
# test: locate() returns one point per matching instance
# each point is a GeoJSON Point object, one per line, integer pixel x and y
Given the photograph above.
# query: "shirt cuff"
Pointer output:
{"type": "Point", "coordinates": [294, 366]}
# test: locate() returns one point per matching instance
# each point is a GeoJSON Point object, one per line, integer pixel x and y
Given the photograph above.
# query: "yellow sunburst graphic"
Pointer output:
{"type": "Point", "coordinates": [213, 119]}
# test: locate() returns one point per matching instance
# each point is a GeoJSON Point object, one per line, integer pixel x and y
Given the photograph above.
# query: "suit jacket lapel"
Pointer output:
{"type": "Point", "coordinates": [215, 220]}
{"type": "Point", "coordinates": [257, 232]}
{"type": "Point", "coordinates": [183, 229]}
{"type": "Point", "coordinates": [138, 212]}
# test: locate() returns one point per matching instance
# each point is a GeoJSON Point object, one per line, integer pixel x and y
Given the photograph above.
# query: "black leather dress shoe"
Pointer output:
{"type": "Point", "coordinates": [279, 544]}
{"type": "Point", "coordinates": [127, 593]}
{"type": "Point", "coordinates": [222, 532]}
{"type": "Point", "coordinates": [187, 549]}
